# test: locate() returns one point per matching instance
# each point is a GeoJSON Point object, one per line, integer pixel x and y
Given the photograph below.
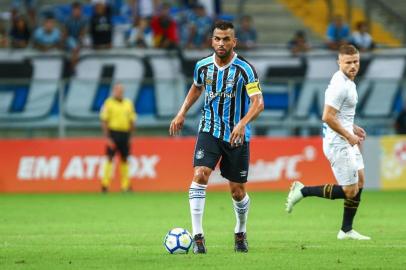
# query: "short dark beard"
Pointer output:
{"type": "Point", "coordinates": [224, 56]}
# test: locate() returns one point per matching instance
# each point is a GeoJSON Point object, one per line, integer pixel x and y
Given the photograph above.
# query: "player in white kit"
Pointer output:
{"type": "Point", "coordinates": [341, 139]}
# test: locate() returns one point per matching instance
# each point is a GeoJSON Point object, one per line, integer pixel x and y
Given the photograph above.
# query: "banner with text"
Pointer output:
{"type": "Point", "coordinates": [156, 164]}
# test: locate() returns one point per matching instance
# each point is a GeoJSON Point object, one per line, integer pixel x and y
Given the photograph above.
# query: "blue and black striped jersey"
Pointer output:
{"type": "Point", "coordinates": [227, 94]}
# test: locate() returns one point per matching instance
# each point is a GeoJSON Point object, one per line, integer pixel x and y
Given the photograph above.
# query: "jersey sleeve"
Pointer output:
{"type": "Point", "coordinates": [252, 85]}
{"type": "Point", "coordinates": [104, 111]}
{"type": "Point", "coordinates": [197, 78]}
{"type": "Point", "coordinates": [334, 97]}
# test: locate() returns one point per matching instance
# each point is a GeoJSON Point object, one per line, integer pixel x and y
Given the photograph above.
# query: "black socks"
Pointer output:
{"type": "Point", "coordinates": [328, 191]}
{"type": "Point", "coordinates": [350, 209]}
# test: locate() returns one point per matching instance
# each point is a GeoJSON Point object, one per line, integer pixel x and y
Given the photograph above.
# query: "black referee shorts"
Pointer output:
{"type": "Point", "coordinates": [234, 160]}
{"type": "Point", "coordinates": [122, 144]}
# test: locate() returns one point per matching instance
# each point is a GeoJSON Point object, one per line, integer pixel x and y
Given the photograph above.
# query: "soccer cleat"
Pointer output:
{"type": "Point", "coordinates": [351, 235]}
{"type": "Point", "coordinates": [104, 190]}
{"type": "Point", "coordinates": [241, 243]}
{"type": "Point", "coordinates": [294, 196]}
{"type": "Point", "coordinates": [199, 246]}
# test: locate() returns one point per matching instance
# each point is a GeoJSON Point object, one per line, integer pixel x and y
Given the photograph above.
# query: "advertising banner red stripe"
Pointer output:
{"type": "Point", "coordinates": [156, 164]}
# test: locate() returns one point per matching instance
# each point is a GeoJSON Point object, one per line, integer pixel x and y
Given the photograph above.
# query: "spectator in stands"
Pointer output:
{"type": "Point", "coordinates": [3, 35]}
{"type": "Point", "coordinates": [361, 38]}
{"type": "Point", "coordinates": [48, 36]}
{"type": "Point", "coordinates": [164, 29]}
{"type": "Point", "coordinates": [29, 6]}
{"type": "Point", "coordinates": [20, 33]}
{"type": "Point", "coordinates": [74, 32]}
{"type": "Point", "coordinates": [199, 28]}
{"type": "Point", "coordinates": [400, 122]}
{"type": "Point", "coordinates": [299, 44]}
{"type": "Point", "coordinates": [140, 34]}
{"type": "Point", "coordinates": [246, 34]}
{"type": "Point", "coordinates": [101, 28]}
{"type": "Point", "coordinates": [338, 33]}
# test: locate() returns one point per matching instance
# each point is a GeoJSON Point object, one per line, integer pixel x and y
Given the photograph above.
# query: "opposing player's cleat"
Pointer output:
{"type": "Point", "coordinates": [294, 196]}
{"type": "Point", "coordinates": [199, 246]}
{"type": "Point", "coordinates": [241, 243]}
{"type": "Point", "coordinates": [351, 235]}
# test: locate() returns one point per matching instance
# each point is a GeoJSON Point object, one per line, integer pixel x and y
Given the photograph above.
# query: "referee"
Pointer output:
{"type": "Point", "coordinates": [117, 119]}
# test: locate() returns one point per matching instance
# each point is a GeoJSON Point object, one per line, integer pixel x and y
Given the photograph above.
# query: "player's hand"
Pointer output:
{"type": "Point", "coordinates": [176, 125]}
{"type": "Point", "coordinates": [238, 135]}
{"type": "Point", "coordinates": [360, 132]}
{"type": "Point", "coordinates": [353, 139]}
{"type": "Point", "coordinates": [110, 143]}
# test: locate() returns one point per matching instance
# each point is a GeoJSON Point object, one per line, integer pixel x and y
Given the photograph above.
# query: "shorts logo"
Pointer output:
{"type": "Point", "coordinates": [243, 173]}
{"type": "Point", "coordinates": [200, 154]}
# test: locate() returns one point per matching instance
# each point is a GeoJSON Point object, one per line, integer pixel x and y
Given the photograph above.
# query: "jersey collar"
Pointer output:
{"type": "Point", "coordinates": [226, 66]}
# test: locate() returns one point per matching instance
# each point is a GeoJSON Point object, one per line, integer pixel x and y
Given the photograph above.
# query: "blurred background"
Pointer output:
{"type": "Point", "coordinates": [59, 59]}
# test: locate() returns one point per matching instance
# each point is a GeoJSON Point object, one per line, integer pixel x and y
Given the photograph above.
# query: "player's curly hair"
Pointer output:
{"type": "Point", "coordinates": [348, 49]}
{"type": "Point", "coordinates": [223, 25]}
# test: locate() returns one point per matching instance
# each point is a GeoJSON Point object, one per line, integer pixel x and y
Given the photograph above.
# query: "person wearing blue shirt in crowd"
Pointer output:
{"type": "Point", "coordinates": [75, 27]}
{"type": "Point", "coordinates": [338, 33]}
{"type": "Point", "coordinates": [199, 28]}
{"type": "Point", "coordinates": [246, 34]}
{"type": "Point", "coordinates": [361, 39]}
{"type": "Point", "coordinates": [48, 36]}
{"type": "Point", "coordinates": [74, 32]}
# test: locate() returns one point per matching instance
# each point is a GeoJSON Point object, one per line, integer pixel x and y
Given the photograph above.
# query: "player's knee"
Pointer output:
{"type": "Point", "coordinates": [238, 194]}
{"type": "Point", "coordinates": [201, 176]}
{"type": "Point", "coordinates": [351, 193]}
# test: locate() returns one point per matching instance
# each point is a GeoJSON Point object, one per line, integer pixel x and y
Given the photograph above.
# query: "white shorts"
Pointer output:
{"type": "Point", "coordinates": [346, 161]}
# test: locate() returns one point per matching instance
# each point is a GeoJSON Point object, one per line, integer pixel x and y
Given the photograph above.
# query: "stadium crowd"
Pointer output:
{"type": "Point", "coordinates": [103, 24]}
{"type": "Point", "coordinates": [174, 24]}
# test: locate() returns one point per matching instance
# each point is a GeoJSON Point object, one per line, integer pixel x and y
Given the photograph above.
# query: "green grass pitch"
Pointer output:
{"type": "Point", "coordinates": [125, 231]}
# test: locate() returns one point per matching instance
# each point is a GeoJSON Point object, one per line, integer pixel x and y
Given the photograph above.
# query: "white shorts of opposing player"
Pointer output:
{"type": "Point", "coordinates": [345, 160]}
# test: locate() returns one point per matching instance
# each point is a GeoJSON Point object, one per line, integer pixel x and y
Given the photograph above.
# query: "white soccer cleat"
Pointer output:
{"type": "Point", "coordinates": [351, 235]}
{"type": "Point", "coordinates": [295, 195]}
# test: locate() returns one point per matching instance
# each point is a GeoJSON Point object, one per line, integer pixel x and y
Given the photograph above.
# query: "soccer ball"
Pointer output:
{"type": "Point", "coordinates": [178, 241]}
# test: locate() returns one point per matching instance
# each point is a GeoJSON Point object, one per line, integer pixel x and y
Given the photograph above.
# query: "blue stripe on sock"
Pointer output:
{"type": "Point", "coordinates": [245, 205]}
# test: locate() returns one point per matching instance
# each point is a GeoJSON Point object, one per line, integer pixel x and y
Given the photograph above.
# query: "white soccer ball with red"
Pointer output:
{"type": "Point", "coordinates": [178, 241]}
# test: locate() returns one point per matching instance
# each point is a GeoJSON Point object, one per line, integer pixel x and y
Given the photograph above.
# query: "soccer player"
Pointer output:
{"type": "Point", "coordinates": [341, 139]}
{"type": "Point", "coordinates": [117, 118]}
{"type": "Point", "coordinates": [232, 99]}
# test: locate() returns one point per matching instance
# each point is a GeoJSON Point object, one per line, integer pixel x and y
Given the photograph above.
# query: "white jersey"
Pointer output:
{"type": "Point", "coordinates": [341, 94]}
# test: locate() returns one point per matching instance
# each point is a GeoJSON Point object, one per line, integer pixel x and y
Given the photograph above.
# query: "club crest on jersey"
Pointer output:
{"type": "Point", "coordinates": [209, 81]}
{"type": "Point", "coordinates": [200, 154]}
{"type": "Point", "coordinates": [209, 78]}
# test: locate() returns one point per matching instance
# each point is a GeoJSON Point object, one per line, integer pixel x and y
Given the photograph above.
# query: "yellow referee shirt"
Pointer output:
{"type": "Point", "coordinates": [118, 114]}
